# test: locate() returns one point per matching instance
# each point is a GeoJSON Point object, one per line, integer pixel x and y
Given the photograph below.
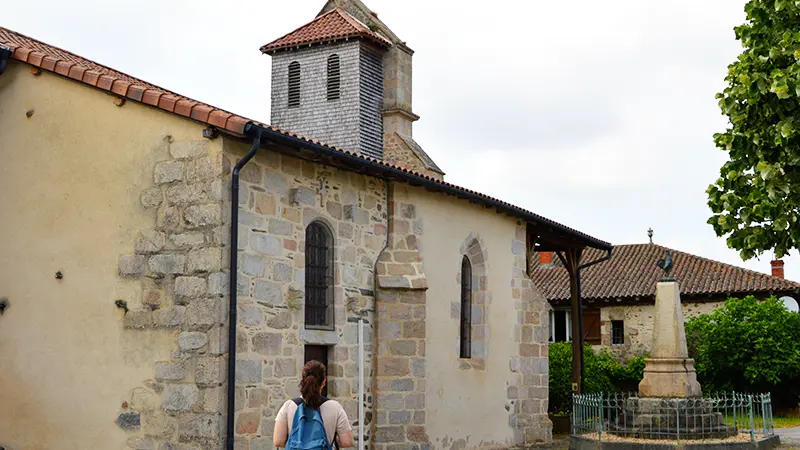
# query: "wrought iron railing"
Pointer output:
{"type": "Point", "coordinates": [618, 416]}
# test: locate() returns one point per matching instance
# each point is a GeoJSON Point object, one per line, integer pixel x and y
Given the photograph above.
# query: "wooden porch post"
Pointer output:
{"type": "Point", "coordinates": [571, 260]}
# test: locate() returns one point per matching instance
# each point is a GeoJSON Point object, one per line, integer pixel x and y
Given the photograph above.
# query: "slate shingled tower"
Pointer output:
{"type": "Point", "coordinates": [345, 79]}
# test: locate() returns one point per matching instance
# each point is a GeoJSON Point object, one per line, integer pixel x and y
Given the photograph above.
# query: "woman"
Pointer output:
{"type": "Point", "coordinates": [312, 381]}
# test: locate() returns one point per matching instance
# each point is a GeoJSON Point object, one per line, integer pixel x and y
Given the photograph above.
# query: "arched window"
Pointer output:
{"type": "Point", "coordinates": [319, 276]}
{"type": "Point", "coordinates": [294, 84]}
{"type": "Point", "coordinates": [466, 309]}
{"type": "Point", "coordinates": [334, 77]}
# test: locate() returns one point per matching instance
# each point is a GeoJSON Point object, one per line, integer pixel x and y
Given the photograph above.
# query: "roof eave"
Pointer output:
{"type": "Point", "coordinates": [266, 49]}
{"type": "Point", "coordinates": [379, 169]}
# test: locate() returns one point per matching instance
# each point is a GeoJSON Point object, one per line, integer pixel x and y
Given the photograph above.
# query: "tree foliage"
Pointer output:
{"type": "Point", "coordinates": [603, 374]}
{"type": "Point", "coordinates": [756, 199]}
{"type": "Point", "coordinates": [748, 346]}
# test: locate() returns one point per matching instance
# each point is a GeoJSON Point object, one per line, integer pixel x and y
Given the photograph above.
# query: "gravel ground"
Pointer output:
{"type": "Point", "coordinates": [790, 437]}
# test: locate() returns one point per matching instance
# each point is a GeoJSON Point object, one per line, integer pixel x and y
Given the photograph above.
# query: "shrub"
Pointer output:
{"type": "Point", "coordinates": [601, 371]}
{"type": "Point", "coordinates": [748, 346]}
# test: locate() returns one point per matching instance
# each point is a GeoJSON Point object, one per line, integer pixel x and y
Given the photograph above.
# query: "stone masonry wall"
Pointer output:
{"type": "Point", "coordinates": [401, 337]}
{"type": "Point", "coordinates": [638, 326]}
{"type": "Point", "coordinates": [527, 396]}
{"type": "Point", "coordinates": [280, 195]}
{"type": "Point", "coordinates": [398, 153]}
{"type": "Point", "coordinates": [179, 263]}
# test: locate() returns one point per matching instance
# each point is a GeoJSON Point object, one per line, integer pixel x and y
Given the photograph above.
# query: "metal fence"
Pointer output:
{"type": "Point", "coordinates": [618, 416]}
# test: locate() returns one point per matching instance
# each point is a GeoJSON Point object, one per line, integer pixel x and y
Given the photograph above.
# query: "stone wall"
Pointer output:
{"type": "Point", "coordinates": [179, 264]}
{"type": "Point", "coordinates": [280, 195]}
{"type": "Point", "coordinates": [400, 385]}
{"type": "Point", "coordinates": [528, 393]}
{"type": "Point", "coordinates": [638, 325]}
{"type": "Point", "coordinates": [399, 153]}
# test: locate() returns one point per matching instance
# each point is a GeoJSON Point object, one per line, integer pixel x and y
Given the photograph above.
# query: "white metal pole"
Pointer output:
{"type": "Point", "coordinates": [361, 383]}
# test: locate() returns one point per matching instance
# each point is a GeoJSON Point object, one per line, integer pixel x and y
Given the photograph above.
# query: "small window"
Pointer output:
{"type": "Point", "coordinates": [334, 78]}
{"type": "Point", "coordinates": [560, 326]}
{"type": "Point", "coordinates": [617, 332]}
{"type": "Point", "coordinates": [466, 309]}
{"type": "Point", "coordinates": [319, 276]}
{"type": "Point", "coordinates": [294, 85]}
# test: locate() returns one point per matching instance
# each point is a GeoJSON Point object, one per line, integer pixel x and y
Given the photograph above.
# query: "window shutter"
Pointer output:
{"type": "Point", "coordinates": [294, 84]}
{"type": "Point", "coordinates": [591, 326]}
{"type": "Point", "coordinates": [334, 78]}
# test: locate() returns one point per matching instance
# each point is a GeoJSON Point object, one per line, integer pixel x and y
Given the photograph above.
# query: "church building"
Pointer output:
{"type": "Point", "coordinates": [167, 267]}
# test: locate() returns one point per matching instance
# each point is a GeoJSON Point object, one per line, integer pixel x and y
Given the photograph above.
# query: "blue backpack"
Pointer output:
{"type": "Point", "coordinates": [308, 430]}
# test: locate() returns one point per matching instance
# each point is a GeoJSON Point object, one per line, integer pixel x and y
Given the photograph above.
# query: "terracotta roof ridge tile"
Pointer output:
{"type": "Point", "coordinates": [78, 68]}
{"type": "Point", "coordinates": [82, 59]}
{"type": "Point", "coordinates": [316, 31]}
{"type": "Point", "coordinates": [632, 273]}
{"type": "Point", "coordinates": [725, 265]}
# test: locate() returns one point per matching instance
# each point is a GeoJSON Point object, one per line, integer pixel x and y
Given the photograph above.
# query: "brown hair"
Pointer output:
{"type": "Point", "coordinates": [311, 383]}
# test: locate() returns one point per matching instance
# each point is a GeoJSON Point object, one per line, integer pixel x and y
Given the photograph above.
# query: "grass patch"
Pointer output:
{"type": "Point", "coordinates": [786, 422]}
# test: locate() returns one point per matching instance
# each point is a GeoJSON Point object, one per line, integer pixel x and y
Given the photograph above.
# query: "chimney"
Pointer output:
{"type": "Point", "coordinates": [546, 258]}
{"type": "Point", "coordinates": [777, 268]}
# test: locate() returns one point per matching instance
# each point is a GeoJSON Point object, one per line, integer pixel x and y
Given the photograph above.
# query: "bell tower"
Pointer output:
{"type": "Point", "coordinates": [345, 79]}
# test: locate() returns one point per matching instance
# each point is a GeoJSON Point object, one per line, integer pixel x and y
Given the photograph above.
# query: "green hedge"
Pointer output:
{"type": "Point", "coordinates": [603, 374]}
{"type": "Point", "coordinates": [748, 345]}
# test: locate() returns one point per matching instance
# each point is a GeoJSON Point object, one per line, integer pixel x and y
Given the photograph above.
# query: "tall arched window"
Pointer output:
{"type": "Point", "coordinates": [319, 276]}
{"type": "Point", "coordinates": [466, 309]}
{"type": "Point", "coordinates": [294, 84]}
{"type": "Point", "coordinates": [334, 77]}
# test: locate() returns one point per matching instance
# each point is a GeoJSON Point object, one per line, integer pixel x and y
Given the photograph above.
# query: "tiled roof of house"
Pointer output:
{"type": "Point", "coordinates": [632, 273]}
{"type": "Point", "coordinates": [70, 65]}
{"type": "Point", "coordinates": [334, 25]}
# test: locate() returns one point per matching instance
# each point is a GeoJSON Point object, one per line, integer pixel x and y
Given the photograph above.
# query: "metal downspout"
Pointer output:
{"type": "Point", "coordinates": [234, 252]}
{"type": "Point", "coordinates": [5, 55]}
{"type": "Point", "coordinates": [376, 323]}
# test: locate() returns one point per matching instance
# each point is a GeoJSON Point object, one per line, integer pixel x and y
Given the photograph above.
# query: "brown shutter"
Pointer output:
{"type": "Point", "coordinates": [591, 326]}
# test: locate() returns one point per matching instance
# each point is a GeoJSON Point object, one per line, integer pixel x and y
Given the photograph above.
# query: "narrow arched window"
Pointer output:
{"type": "Point", "coordinates": [319, 276]}
{"type": "Point", "coordinates": [294, 84]}
{"type": "Point", "coordinates": [334, 78]}
{"type": "Point", "coordinates": [466, 309]}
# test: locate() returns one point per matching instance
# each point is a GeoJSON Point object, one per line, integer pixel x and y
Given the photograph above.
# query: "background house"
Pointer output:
{"type": "Point", "coordinates": [619, 294]}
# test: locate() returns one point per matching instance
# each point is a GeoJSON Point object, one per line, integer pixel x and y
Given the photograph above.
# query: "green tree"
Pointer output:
{"type": "Point", "coordinates": [748, 346]}
{"type": "Point", "coordinates": [756, 200]}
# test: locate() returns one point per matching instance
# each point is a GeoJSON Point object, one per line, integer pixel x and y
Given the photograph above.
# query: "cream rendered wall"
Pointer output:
{"type": "Point", "coordinates": [461, 403]}
{"type": "Point", "coordinates": [639, 325]}
{"type": "Point", "coordinates": [70, 178]}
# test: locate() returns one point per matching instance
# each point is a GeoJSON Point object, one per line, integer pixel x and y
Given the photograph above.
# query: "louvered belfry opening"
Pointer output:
{"type": "Point", "coordinates": [466, 309]}
{"type": "Point", "coordinates": [319, 277]}
{"type": "Point", "coordinates": [334, 78]}
{"type": "Point", "coordinates": [294, 85]}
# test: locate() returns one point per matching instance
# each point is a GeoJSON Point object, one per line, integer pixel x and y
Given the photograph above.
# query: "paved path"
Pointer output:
{"type": "Point", "coordinates": [790, 437]}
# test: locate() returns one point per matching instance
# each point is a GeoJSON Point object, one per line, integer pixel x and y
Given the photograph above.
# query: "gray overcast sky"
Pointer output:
{"type": "Point", "coordinates": [599, 115]}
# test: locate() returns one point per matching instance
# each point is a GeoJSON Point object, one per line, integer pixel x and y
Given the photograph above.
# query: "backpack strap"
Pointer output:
{"type": "Point", "coordinates": [299, 401]}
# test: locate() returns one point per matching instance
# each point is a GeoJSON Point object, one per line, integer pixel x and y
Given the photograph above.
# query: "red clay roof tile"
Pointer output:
{"type": "Point", "coordinates": [46, 56]}
{"type": "Point", "coordinates": [334, 25]}
{"type": "Point", "coordinates": [632, 273]}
